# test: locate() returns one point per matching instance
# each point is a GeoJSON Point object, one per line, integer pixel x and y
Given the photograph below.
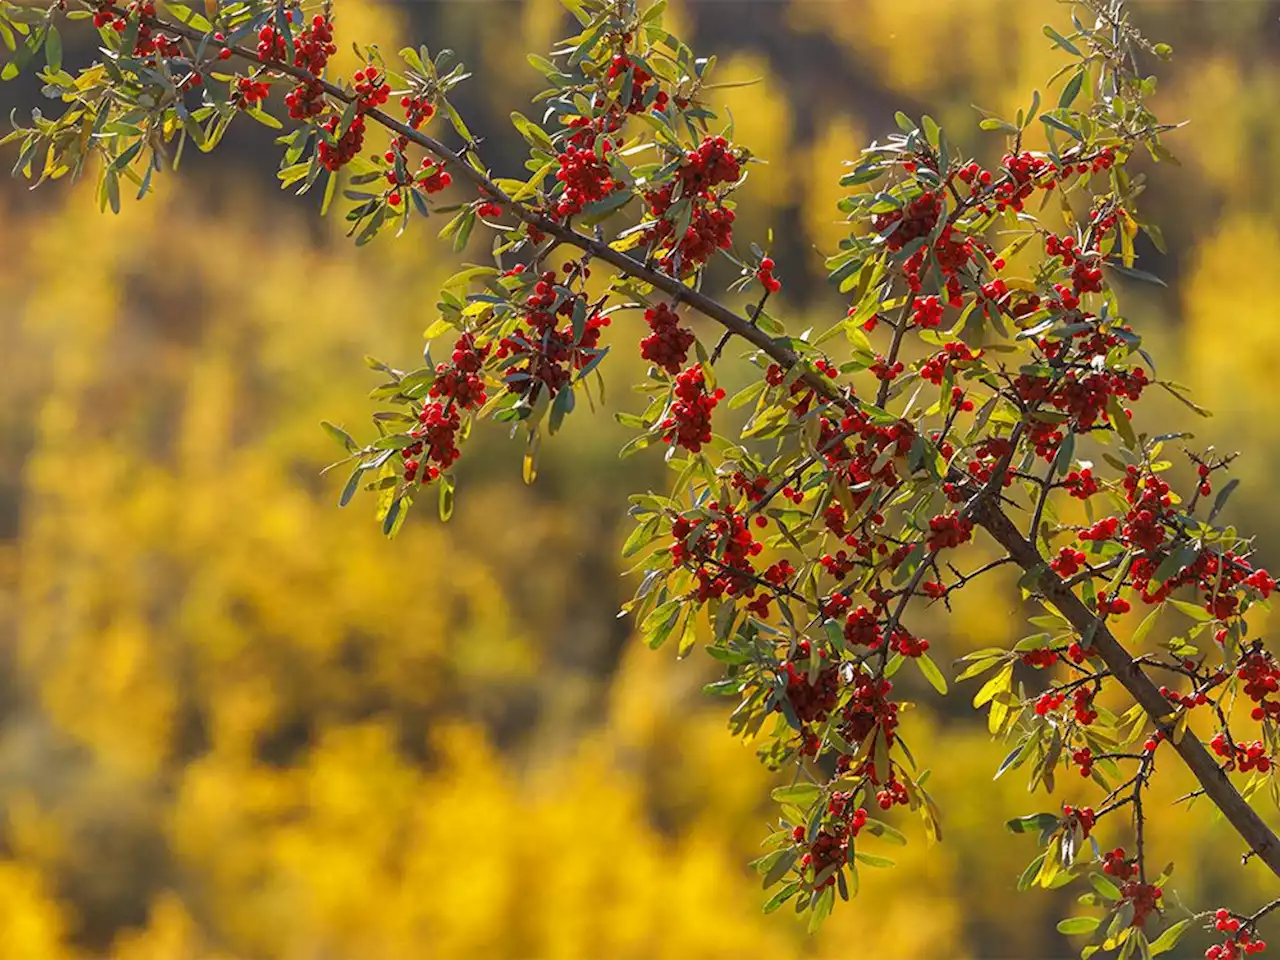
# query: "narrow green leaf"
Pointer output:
{"type": "Point", "coordinates": [1170, 937]}
{"type": "Point", "coordinates": [871, 860]}
{"type": "Point", "coordinates": [1061, 41]}
{"type": "Point", "coordinates": [353, 484]}
{"type": "Point", "coordinates": [53, 49]}
{"type": "Point", "coordinates": [822, 908]}
{"type": "Point", "coordinates": [446, 497]}
{"type": "Point", "coordinates": [801, 794]}
{"type": "Point", "coordinates": [1071, 90]}
{"type": "Point", "coordinates": [932, 673]}
{"type": "Point", "coordinates": [1078, 925]}
{"type": "Point", "coordinates": [1104, 886]}
{"type": "Point", "coordinates": [340, 435]}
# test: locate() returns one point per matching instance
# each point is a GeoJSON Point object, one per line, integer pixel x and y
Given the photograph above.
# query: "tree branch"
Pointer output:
{"type": "Point", "coordinates": [1262, 842]}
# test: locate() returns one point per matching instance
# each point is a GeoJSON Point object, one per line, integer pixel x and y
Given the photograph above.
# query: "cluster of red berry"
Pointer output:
{"type": "Point", "coordinates": [1112, 606]}
{"type": "Point", "coordinates": [724, 544]}
{"type": "Point", "coordinates": [947, 531]}
{"type": "Point", "coordinates": [1261, 676]}
{"type": "Point", "coordinates": [904, 642]}
{"type": "Point", "coordinates": [688, 420]}
{"type": "Point", "coordinates": [436, 434]}
{"type": "Point", "coordinates": [668, 343]}
{"type": "Point", "coordinates": [868, 710]}
{"type": "Point", "coordinates": [641, 98]}
{"type": "Point", "coordinates": [148, 41]}
{"type": "Point", "coordinates": [812, 699]}
{"type": "Point", "coordinates": [935, 368]}
{"type": "Point", "coordinates": [1083, 758]}
{"type": "Point", "coordinates": [1068, 562]}
{"type": "Point", "coordinates": [831, 847]}
{"type": "Point", "coordinates": [914, 220]}
{"type": "Point", "coordinates": [312, 49]}
{"type": "Point", "coordinates": [271, 41]}
{"type": "Point", "coordinates": [713, 164]}
{"type": "Point", "coordinates": [585, 177]}
{"type": "Point", "coordinates": [541, 355]}
{"type": "Point", "coordinates": [335, 156]}
{"type": "Point", "coordinates": [1081, 815]}
{"type": "Point", "coordinates": [1080, 484]}
{"type": "Point", "coordinates": [250, 92]}
{"type": "Point", "coordinates": [1240, 943]}
{"type": "Point", "coordinates": [1040, 659]}
{"type": "Point", "coordinates": [882, 369]}
{"type": "Point", "coordinates": [1048, 702]}
{"type": "Point", "coordinates": [765, 275]}
{"type": "Point", "coordinates": [1241, 756]}
{"type": "Point", "coordinates": [1082, 705]}
{"type": "Point", "coordinates": [461, 381]}
{"type": "Point", "coordinates": [430, 178]}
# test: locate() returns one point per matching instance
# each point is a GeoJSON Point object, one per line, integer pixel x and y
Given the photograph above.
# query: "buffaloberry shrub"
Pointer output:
{"type": "Point", "coordinates": [969, 394]}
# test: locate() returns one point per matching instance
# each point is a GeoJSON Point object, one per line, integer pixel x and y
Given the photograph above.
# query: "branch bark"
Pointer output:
{"type": "Point", "coordinates": [1262, 841]}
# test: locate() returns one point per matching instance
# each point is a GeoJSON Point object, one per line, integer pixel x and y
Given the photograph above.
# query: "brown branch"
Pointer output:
{"type": "Point", "coordinates": [1262, 842]}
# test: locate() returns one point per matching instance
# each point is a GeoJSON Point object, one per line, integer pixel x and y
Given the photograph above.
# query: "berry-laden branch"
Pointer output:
{"type": "Point", "coordinates": [1214, 781]}
{"type": "Point", "coordinates": [804, 546]}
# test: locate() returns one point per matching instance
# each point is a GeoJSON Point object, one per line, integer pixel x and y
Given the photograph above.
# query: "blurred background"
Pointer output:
{"type": "Point", "coordinates": [235, 722]}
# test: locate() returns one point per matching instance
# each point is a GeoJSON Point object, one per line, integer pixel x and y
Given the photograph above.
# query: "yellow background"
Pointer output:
{"type": "Point", "coordinates": [236, 722]}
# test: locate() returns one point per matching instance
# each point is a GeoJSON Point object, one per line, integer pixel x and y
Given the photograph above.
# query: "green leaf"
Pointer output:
{"type": "Point", "coordinates": [1220, 500]}
{"type": "Point", "coordinates": [871, 860]}
{"type": "Point", "coordinates": [1170, 937]}
{"type": "Point", "coordinates": [457, 121]}
{"type": "Point", "coordinates": [561, 407]}
{"type": "Point", "coordinates": [353, 484]}
{"type": "Point", "coordinates": [607, 204]}
{"type": "Point", "coordinates": [977, 667]}
{"type": "Point", "coordinates": [932, 673]}
{"type": "Point", "coordinates": [1032, 823]}
{"type": "Point", "coordinates": [1121, 422]}
{"type": "Point", "coordinates": [111, 181]}
{"type": "Point", "coordinates": [1192, 610]}
{"type": "Point", "coordinates": [822, 908]}
{"type": "Point", "coordinates": [1145, 626]}
{"type": "Point", "coordinates": [340, 435]}
{"type": "Point", "coordinates": [878, 828]}
{"type": "Point", "coordinates": [658, 625]}
{"type": "Point", "coordinates": [329, 189]}
{"type": "Point", "coordinates": [1078, 925]}
{"type": "Point", "coordinates": [641, 536]}
{"type": "Point", "coordinates": [992, 123]}
{"type": "Point", "coordinates": [1104, 886]}
{"type": "Point", "coordinates": [1136, 274]}
{"type": "Point", "coordinates": [1029, 874]}
{"type": "Point", "coordinates": [533, 134]}
{"type": "Point", "coordinates": [1071, 90]}
{"type": "Point", "coordinates": [1050, 120]}
{"type": "Point", "coordinates": [689, 635]}
{"type": "Point", "coordinates": [395, 516]}
{"type": "Point", "coordinates": [53, 49]}
{"type": "Point", "coordinates": [775, 866]}
{"type": "Point", "coordinates": [801, 794]}
{"type": "Point", "coordinates": [264, 118]}
{"type": "Point", "coordinates": [1000, 682]}
{"type": "Point", "coordinates": [446, 497]}
{"type": "Point", "coordinates": [1177, 392]}
{"type": "Point", "coordinates": [1061, 41]}
{"type": "Point", "coordinates": [785, 893]}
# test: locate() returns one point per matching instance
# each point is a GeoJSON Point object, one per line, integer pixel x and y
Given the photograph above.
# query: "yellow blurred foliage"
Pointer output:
{"type": "Point", "coordinates": [237, 723]}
